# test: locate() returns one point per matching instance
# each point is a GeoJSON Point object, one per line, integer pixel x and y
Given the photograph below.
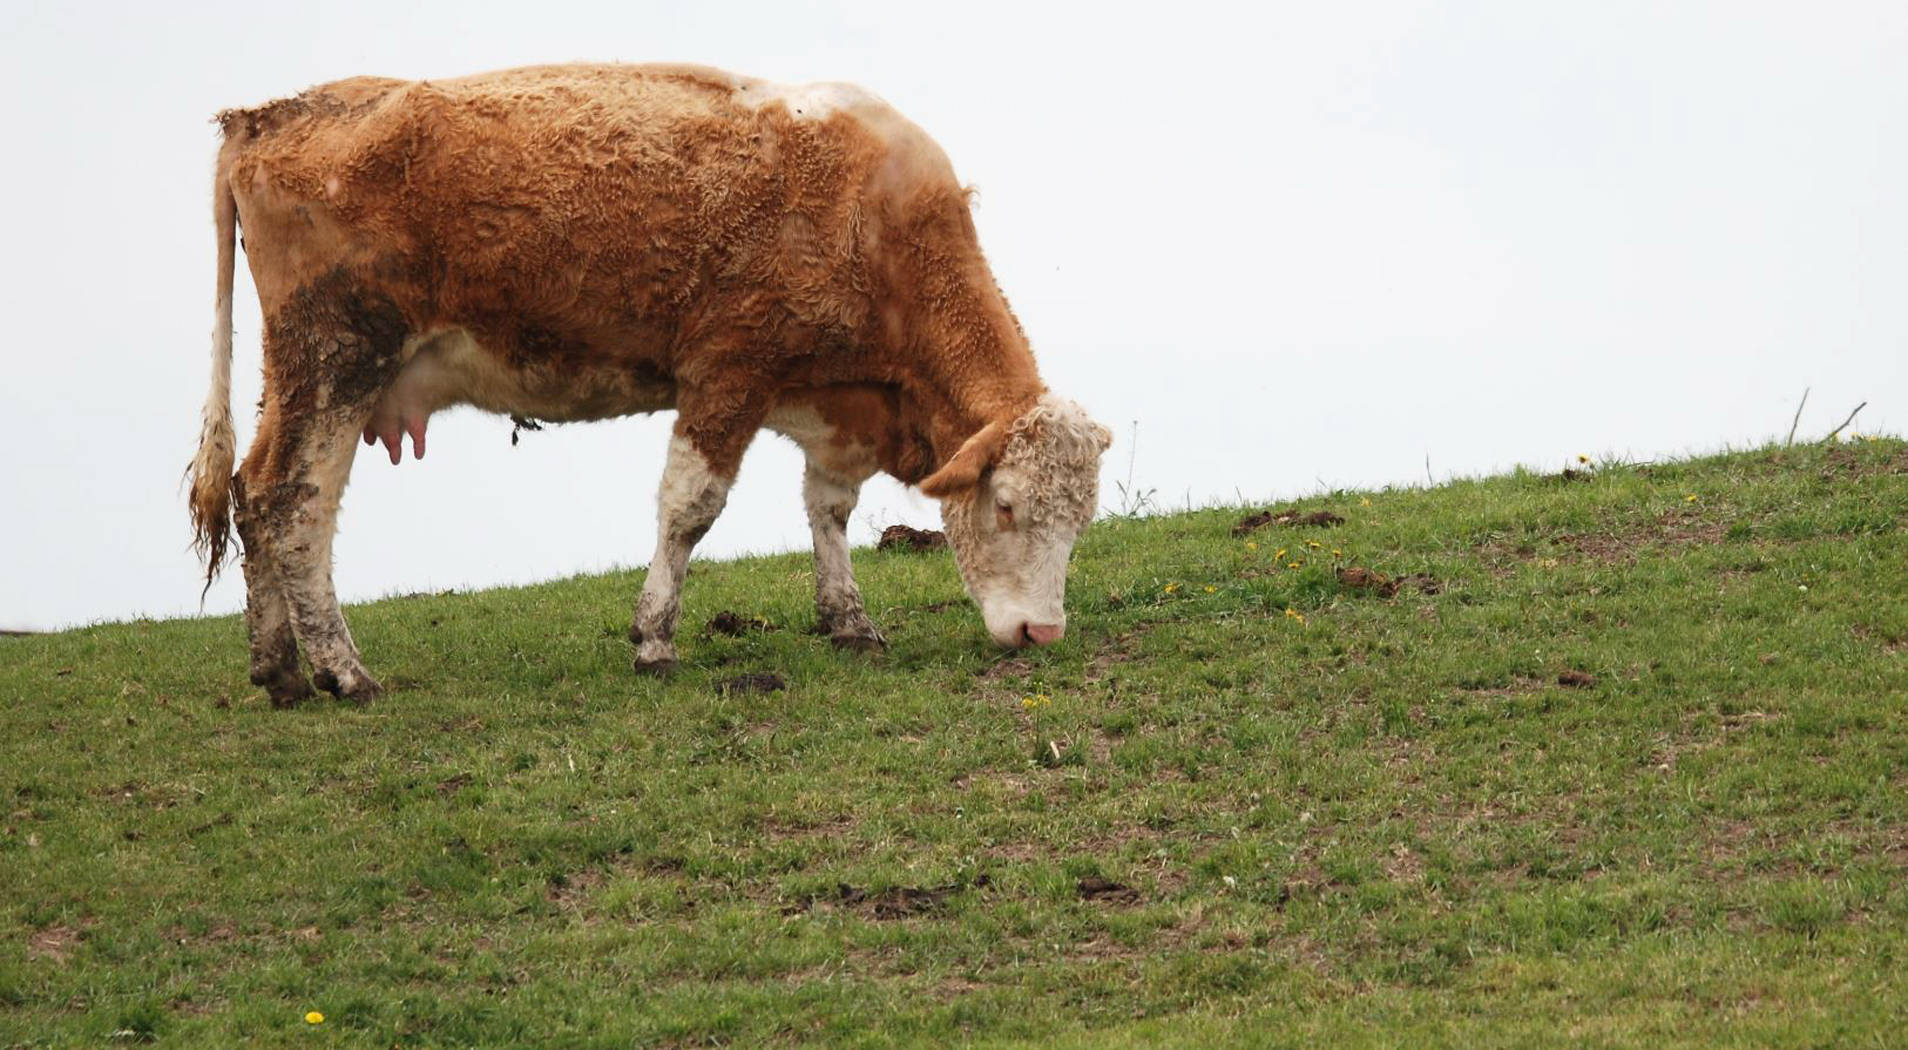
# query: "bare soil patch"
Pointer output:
{"type": "Point", "coordinates": [752, 683]}
{"type": "Point", "coordinates": [56, 943]}
{"type": "Point", "coordinates": [896, 902]}
{"type": "Point", "coordinates": [1360, 578]}
{"type": "Point", "coordinates": [1094, 888]}
{"type": "Point", "coordinates": [734, 624]}
{"type": "Point", "coordinates": [1294, 518]}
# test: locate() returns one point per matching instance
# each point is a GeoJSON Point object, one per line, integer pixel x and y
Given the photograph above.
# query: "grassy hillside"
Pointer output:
{"type": "Point", "coordinates": [1247, 801]}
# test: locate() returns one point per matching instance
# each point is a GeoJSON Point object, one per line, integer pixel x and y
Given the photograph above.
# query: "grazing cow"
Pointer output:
{"type": "Point", "coordinates": [589, 241]}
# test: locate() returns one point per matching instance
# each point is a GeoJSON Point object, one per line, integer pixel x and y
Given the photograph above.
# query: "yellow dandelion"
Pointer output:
{"type": "Point", "coordinates": [1581, 458]}
{"type": "Point", "coordinates": [1691, 498]}
{"type": "Point", "coordinates": [1365, 502]}
{"type": "Point", "coordinates": [1210, 589]}
{"type": "Point", "coordinates": [314, 1017]}
{"type": "Point", "coordinates": [1252, 545]}
{"type": "Point", "coordinates": [1295, 565]}
{"type": "Point", "coordinates": [1336, 553]}
{"type": "Point", "coordinates": [1171, 587]}
{"type": "Point", "coordinates": [1314, 544]}
{"type": "Point", "coordinates": [1280, 554]}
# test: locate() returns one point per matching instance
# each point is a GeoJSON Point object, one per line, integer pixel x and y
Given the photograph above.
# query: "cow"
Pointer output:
{"type": "Point", "coordinates": [581, 242]}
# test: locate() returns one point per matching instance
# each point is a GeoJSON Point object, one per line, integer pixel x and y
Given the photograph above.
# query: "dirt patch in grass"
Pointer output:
{"type": "Point", "coordinates": [1294, 518]}
{"type": "Point", "coordinates": [1012, 667]}
{"type": "Point", "coordinates": [1359, 578]}
{"type": "Point", "coordinates": [570, 890]}
{"type": "Point", "coordinates": [1116, 650]}
{"type": "Point", "coordinates": [904, 538]}
{"type": "Point", "coordinates": [1574, 679]}
{"type": "Point", "coordinates": [1106, 891]}
{"type": "Point", "coordinates": [734, 624]}
{"type": "Point", "coordinates": [1845, 462]}
{"type": "Point", "coordinates": [54, 943]}
{"type": "Point", "coordinates": [895, 902]}
{"type": "Point", "coordinates": [780, 828]}
{"type": "Point", "coordinates": [1520, 685]}
{"type": "Point", "coordinates": [1890, 642]}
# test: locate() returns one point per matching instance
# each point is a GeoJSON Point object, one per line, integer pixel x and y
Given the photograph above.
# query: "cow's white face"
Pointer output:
{"type": "Point", "coordinates": [1014, 499]}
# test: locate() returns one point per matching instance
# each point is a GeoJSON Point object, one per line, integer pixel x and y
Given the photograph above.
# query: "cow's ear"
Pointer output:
{"type": "Point", "coordinates": [963, 470]}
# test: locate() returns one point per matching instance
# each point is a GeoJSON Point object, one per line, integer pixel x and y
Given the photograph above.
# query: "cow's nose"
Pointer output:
{"type": "Point", "coordinates": [1041, 633]}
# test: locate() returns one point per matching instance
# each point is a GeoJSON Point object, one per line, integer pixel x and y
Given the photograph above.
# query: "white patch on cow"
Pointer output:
{"type": "Point", "coordinates": [800, 424]}
{"type": "Point", "coordinates": [1047, 477]}
{"type": "Point", "coordinates": [808, 101]}
{"type": "Point", "coordinates": [691, 497]}
{"type": "Point", "coordinates": [449, 367]}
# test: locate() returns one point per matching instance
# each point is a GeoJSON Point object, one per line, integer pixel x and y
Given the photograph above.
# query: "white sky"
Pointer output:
{"type": "Point", "coordinates": [1301, 244]}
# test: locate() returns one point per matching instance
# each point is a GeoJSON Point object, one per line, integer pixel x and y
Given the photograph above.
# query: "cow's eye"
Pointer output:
{"type": "Point", "coordinates": [1004, 515]}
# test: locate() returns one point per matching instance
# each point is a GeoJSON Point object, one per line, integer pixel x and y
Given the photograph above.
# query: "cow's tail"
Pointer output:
{"type": "Point", "coordinates": [212, 466]}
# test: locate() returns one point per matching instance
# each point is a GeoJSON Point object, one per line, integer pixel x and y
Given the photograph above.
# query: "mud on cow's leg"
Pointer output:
{"type": "Point", "coordinates": [830, 498]}
{"type": "Point", "coordinates": [330, 352]}
{"type": "Point", "coordinates": [267, 614]}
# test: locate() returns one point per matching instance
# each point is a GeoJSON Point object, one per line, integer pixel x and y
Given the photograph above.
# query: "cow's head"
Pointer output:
{"type": "Point", "coordinates": [1014, 498]}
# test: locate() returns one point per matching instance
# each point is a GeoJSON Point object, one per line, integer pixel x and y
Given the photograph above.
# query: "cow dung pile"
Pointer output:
{"type": "Point", "coordinates": [904, 538]}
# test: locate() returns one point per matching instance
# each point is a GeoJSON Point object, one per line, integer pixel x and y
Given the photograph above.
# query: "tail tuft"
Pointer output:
{"type": "Point", "coordinates": [211, 470]}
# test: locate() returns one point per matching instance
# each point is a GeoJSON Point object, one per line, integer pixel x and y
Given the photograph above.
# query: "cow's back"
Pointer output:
{"type": "Point", "coordinates": [590, 203]}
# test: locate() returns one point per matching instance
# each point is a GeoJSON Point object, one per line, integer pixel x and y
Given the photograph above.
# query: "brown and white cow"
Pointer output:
{"type": "Point", "coordinates": [589, 241]}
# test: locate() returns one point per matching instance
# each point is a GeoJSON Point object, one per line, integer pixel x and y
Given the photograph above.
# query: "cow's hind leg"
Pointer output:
{"type": "Point", "coordinates": [330, 352]}
{"type": "Point", "coordinates": [830, 497]}
{"type": "Point", "coordinates": [267, 614]}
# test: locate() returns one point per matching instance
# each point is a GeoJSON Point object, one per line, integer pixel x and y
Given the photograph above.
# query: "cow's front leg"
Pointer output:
{"type": "Point", "coordinates": [830, 498]}
{"type": "Point", "coordinates": [693, 493]}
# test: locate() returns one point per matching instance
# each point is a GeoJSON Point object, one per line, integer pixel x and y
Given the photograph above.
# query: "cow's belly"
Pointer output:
{"type": "Point", "coordinates": [450, 368]}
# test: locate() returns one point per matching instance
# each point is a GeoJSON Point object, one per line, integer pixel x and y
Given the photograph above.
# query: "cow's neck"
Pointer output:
{"type": "Point", "coordinates": [977, 369]}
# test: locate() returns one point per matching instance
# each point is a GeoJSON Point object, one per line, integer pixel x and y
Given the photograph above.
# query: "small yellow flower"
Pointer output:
{"type": "Point", "coordinates": [1295, 565]}
{"type": "Point", "coordinates": [1581, 458]}
{"type": "Point", "coordinates": [1252, 545]}
{"type": "Point", "coordinates": [314, 1017]}
{"type": "Point", "coordinates": [1365, 502]}
{"type": "Point", "coordinates": [1280, 554]}
{"type": "Point", "coordinates": [1691, 498]}
{"type": "Point", "coordinates": [1210, 589]}
{"type": "Point", "coordinates": [1294, 614]}
{"type": "Point", "coordinates": [1314, 544]}
{"type": "Point", "coordinates": [1336, 553]}
{"type": "Point", "coordinates": [1036, 700]}
{"type": "Point", "coordinates": [1171, 587]}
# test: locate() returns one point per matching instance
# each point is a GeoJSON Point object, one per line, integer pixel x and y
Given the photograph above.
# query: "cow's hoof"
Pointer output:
{"type": "Point", "coordinates": [859, 643]}
{"type": "Point", "coordinates": [286, 688]}
{"type": "Point", "coordinates": [661, 668]}
{"type": "Point", "coordinates": [354, 687]}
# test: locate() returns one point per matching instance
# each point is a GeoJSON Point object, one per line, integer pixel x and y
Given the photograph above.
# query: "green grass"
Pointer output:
{"type": "Point", "coordinates": [1366, 822]}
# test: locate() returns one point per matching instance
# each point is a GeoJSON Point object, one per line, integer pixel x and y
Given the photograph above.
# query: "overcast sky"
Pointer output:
{"type": "Point", "coordinates": [1299, 244]}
